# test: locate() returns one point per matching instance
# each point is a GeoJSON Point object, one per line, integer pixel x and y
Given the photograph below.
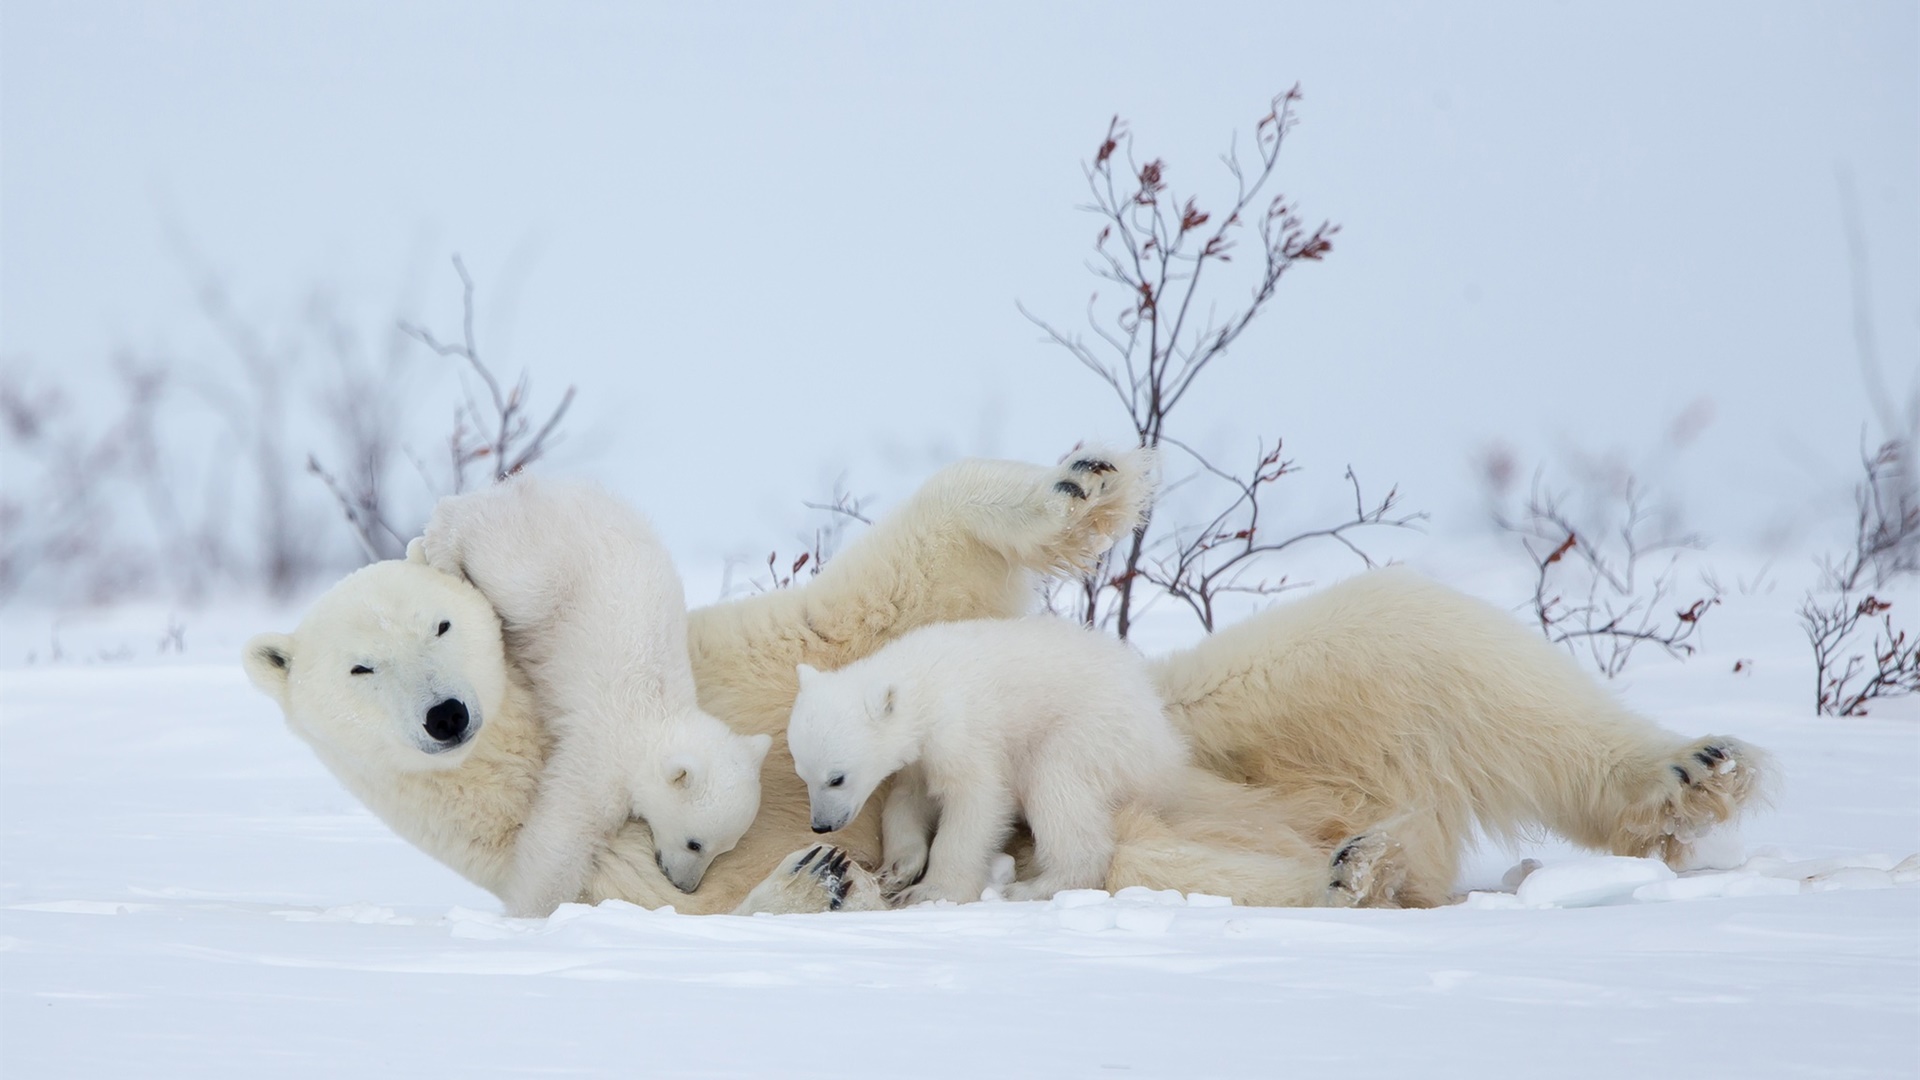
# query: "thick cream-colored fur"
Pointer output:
{"type": "Point", "coordinates": [981, 724]}
{"type": "Point", "coordinates": [1388, 703]}
{"type": "Point", "coordinates": [968, 545]}
{"type": "Point", "coordinates": [594, 612]}
{"type": "Point", "coordinates": [1344, 743]}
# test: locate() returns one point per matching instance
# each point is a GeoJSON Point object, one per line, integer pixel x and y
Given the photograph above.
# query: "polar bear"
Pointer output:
{"type": "Point", "coordinates": [985, 722]}
{"type": "Point", "coordinates": [592, 607]}
{"type": "Point", "coordinates": [1349, 739]}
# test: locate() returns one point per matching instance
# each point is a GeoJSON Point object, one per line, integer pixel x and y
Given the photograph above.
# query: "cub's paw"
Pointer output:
{"type": "Point", "coordinates": [1029, 890]}
{"type": "Point", "coordinates": [903, 870]}
{"type": "Point", "coordinates": [1368, 870]}
{"type": "Point", "coordinates": [437, 549]}
{"type": "Point", "coordinates": [927, 891]}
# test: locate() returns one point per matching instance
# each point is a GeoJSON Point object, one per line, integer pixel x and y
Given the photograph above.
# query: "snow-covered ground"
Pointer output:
{"type": "Point", "coordinates": [184, 891]}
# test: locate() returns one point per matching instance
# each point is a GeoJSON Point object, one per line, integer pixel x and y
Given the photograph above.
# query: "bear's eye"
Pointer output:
{"type": "Point", "coordinates": [444, 627]}
{"type": "Point", "coordinates": [361, 669]}
{"type": "Point", "coordinates": [693, 846]}
{"type": "Point", "coordinates": [836, 779]}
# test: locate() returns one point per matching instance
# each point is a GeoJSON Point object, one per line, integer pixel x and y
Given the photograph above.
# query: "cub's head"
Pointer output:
{"type": "Point", "coordinates": [396, 668]}
{"type": "Point", "coordinates": [703, 798]}
{"type": "Point", "coordinates": [844, 739]}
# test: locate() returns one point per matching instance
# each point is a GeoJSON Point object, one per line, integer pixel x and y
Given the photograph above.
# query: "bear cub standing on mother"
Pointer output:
{"type": "Point", "coordinates": [980, 724]}
{"type": "Point", "coordinates": [589, 599]}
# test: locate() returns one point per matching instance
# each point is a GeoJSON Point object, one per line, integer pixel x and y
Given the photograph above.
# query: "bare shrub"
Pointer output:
{"type": "Point", "coordinates": [1172, 261]}
{"type": "Point", "coordinates": [819, 543]}
{"type": "Point", "coordinates": [497, 438]}
{"type": "Point", "coordinates": [189, 476]}
{"type": "Point", "coordinates": [1859, 655]}
{"type": "Point", "coordinates": [1606, 588]}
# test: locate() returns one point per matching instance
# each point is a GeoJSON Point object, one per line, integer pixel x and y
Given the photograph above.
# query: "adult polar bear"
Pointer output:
{"type": "Point", "coordinates": [1350, 740]}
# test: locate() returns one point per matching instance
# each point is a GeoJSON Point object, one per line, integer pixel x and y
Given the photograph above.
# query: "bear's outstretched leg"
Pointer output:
{"type": "Point", "coordinates": [968, 545]}
{"type": "Point", "coordinates": [1664, 794]}
{"type": "Point", "coordinates": [818, 878]}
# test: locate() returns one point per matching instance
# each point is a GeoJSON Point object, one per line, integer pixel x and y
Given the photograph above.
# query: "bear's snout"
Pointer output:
{"type": "Point", "coordinates": [447, 722]}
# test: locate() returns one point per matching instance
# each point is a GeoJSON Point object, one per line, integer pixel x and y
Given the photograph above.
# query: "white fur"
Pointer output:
{"type": "Point", "coordinates": [986, 722]}
{"type": "Point", "coordinates": [1344, 743]}
{"type": "Point", "coordinates": [592, 607]}
{"type": "Point", "coordinates": [969, 544]}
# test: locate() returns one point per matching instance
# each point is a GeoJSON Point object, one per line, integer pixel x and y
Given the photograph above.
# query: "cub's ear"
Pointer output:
{"type": "Point", "coordinates": [417, 550]}
{"type": "Point", "coordinates": [758, 745]}
{"type": "Point", "coordinates": [807, 673]}
{"type": "Point", "coordinates": [880, 703]}
{"type": "Point", "coordinates": [268, 659]}
{"type": "Point", "coordinates": [681, 770]}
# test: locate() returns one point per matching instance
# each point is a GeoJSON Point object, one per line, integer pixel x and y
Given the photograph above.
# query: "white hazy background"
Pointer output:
{"type": "Point", "coordinates": [773, 243]}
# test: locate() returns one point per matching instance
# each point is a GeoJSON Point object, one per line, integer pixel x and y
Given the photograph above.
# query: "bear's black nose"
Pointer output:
{"type": "Point", "coordinates": [447, 721]}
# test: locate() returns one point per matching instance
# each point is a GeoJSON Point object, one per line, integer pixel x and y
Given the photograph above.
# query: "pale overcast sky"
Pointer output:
{"type": "Point", "coordinates": [769, 242]}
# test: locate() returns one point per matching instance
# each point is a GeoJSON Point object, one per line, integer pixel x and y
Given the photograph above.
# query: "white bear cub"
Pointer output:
{"type": "Point", "coordinates": [592, 606]}
{"type": "Point", "coordinates": [985, 723]}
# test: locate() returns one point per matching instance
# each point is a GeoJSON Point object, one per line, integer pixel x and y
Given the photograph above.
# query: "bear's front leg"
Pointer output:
{"type": "Point", "coordinates": [974, 826]}
{"type": "Point", "coordinates": [818, 878]}
{"type": "Point", "coordinates": [906, 831]}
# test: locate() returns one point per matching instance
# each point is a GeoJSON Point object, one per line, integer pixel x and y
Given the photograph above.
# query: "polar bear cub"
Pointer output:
{"type": "Point", "coordinates": [590, 602]}
{"type": "Point", "coordinates": [981, 724]}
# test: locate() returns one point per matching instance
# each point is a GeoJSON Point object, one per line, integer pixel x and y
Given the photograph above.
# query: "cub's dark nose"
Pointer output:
{"type": "Point", "coordinates": [819, 828]}
{"type": "Point", "coordinates": [447, 721]}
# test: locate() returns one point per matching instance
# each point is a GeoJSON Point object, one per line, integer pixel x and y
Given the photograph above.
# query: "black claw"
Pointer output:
{"type": "Point", "coordinates": [1068, 487]}
{"type": "Point", "coordinates": [1681, 772]}
{"type": "Point", "coordinates": [1713, 752]}
{"type": "Point", "coordinates": [832, 872]}
{"type": "Point", "coordinates": [807, 858]}
{"type": "Point", "coordinates": [1346, 852]}
{"type": "Point", "coordinates": [1094, 466]}
{"type": "Point", "coordinates": [1705, 758]}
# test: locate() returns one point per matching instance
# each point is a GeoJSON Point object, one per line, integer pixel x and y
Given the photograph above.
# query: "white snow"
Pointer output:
{"type": "Point", "coordinates": [184, 891]}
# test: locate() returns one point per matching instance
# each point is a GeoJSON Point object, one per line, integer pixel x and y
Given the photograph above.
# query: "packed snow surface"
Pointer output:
{"type": "Point", "coordinates": [184, 891]}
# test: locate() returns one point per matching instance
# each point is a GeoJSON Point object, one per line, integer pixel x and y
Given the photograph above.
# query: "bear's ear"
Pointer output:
{"type": "Point", "coordinates": [758, 745]}
{"type": "Point", "coordinates": [268, 659]}
{"type": "Point", "coordinates": [880, 704]}
{"type": "Point", "coordinates": [807, 673]}
{"type": "Point", "coordinates": [417, 550]}
{"type": "Point", "coordinates": [681, 770]}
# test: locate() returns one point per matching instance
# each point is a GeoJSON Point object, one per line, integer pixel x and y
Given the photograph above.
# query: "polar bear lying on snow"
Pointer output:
{"type": "Point", "coordinates": [594, 611]}
{"type": "Point", "coordinates": [1350, 741]}
{"type": "Point", "coordinates": [982, 724]}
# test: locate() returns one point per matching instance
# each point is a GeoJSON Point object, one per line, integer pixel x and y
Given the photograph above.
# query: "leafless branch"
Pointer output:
{"type": "Point", "coordinates": [1170, 259]}
{"type": "Point", "coordinates": [1589, 594]}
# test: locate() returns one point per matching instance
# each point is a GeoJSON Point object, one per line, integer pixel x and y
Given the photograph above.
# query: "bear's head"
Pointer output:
{"type": "Point", "coordinates": [703, 798]}
{"type": "Point", "coordinates": [396, 667]}
{"type": "Point", "coordinates": [846, 738]}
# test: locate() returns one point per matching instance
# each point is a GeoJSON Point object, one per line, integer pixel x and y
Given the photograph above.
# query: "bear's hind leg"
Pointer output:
{"type": "Point", "coordinates": [1072, 837]}
{"type": "Point", "coordinates": [1661, 802]}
